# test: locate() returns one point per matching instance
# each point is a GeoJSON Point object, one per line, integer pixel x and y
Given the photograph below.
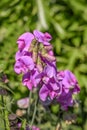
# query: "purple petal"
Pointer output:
{"type": "Point", "coordinates": [47, 36]}
{"type": "Point", "coordinates": [50, 71]}
{"type": "Point", "coordinates": [52, 95]}
{"type": "Point", "coordinates": [76, 89]}
{"type": "Point", "coordinates": [69, 79]}
{"type": "Point", "coordinates": [42, 37]}
{"type": "Point", "coordinates": [17, 67]}
{"type": "Point", "coordinates": [28, 62]}
{"type": "Point", "coordinates": [34, 78]}
{"type": "Point", "coordinates": [43, 93]}
{"type": "Point", "coordinates": [27, 81]}
{"type": "Point", "coordinates": [38, 35]}
{"type": "Point", "coordinates": [19, 54]}
{"type": "Point", "coordinates": [25, 40]}
{"type": "Point", "coordinates": [65, 100]}
{"type": "Point", "coordinates": [23, 64]}
{"type": "Point", "coordinates": [46, 43]}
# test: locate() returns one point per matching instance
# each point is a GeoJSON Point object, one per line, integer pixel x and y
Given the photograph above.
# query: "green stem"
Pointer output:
{"type": "Point", "coordinates": [58, 123]}
{"type": "Point", "coordinates": [23, 126]}
{"type": "Point", "coordinates": [2, 100]}
{"type": "Point", "coordinates": [6, 120]}
{"type": "Point", "coordinates": [34, 113]}
{"type": "Point", "coordinates": [28, 111]}
{"type": "Point", "coordinates": [5, 114]}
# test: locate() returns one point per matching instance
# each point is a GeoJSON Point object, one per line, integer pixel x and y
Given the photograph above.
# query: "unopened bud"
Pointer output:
{"type": "Point", "coordinates": [20, 112]}
{"type": "Point", "coordinates": [40, 68]}
{"type": "Point", "coordinates": [34, 56]}
{"type": "Point", "coordinates": [34, 41]}
{"type": "Point", "coordinates": [33, 44]}
{"type": "Point", "coordinates": [48, 47]}
{"type": "Point", "coordinates": [49, 57]}
{"type": "Point", "coordinates": [39, 64]}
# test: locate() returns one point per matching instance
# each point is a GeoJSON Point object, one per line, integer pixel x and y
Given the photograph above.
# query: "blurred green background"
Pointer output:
{"type": "Point", "coordinates": [66, 21]}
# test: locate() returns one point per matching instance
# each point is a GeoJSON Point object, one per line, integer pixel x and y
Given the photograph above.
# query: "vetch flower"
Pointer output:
{"type": "Point", "coordinates": [26, 80]}
{"type": "Point", "coordinates": [50, 90]}
{"type": "Point", "coordinates": [42, 37]}
{"type": "Point", "coordinates": [36, 61]}
{"type": "Point", "coordinates": [23, 64]}
{"type": "Point", "coordinates": [30, 79]}
{"type": "Point", "coordinates": [65, 100]}
{"type": "Point", "coordinates": [69, 85]}
{"type": "Point", "coordinates": [50, 70]}
{"type": "Point", "coordinates": [19, 54]}
{"type": "Point", "coordinates": [24, 41]}
{"type": "Point", "coordinates": [69, 81]}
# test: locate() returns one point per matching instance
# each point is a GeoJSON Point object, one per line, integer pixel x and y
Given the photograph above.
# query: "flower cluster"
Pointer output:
{"type": "Point", "coordinates": [36, 61]}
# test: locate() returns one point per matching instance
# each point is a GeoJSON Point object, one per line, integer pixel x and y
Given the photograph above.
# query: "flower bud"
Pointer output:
{"type": "Point", "coordinates": [39, 64]}
{"type": "Point", "coordinates": [49, 57]}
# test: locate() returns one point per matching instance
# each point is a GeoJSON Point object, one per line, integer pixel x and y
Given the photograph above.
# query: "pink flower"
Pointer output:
{"type": "Point", "coordinates": [35, 128]}
{"type": "Point", "coordinates": [69, 87]}
{"type": "Point", "coordinates": [36, 60]}
{"type": "Point", "coordinates": [30, 79]}
{"type": "Point", "coordinates": [65, 100]}
{"type": "Point", "coordinates": [42, 37]}
{"type": "Point", "coordinates": [19, 54]}
{"type": "Point", "coordinates": [23, 64]}
{"type": "Point", "coordinates": [24, 41]}
{"type": "Point", "coordinates": [69, 81]}
{"type": "Point", "coordinates": [50, 90]}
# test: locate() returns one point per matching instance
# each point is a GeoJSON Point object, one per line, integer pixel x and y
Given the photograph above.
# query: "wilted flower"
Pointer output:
{"type": "Point", "coordinates": [13, 121]}
{"type": "Point", "coordinates": [69, 118]}
{"type": "Point", "coordinates": [3, 78]}
{"type": "Point", "coordinates": [3, 91]}
{"type": "Point", "coordinates": [23, 103]}
{"type": "Point", "coordinates": [20, 112]}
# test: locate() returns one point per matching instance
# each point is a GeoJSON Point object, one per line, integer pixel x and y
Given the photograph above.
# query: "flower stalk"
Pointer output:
{"type": "Point", "coordinates": [23, 126]}
{"type": "Point", "coordinates": [28, 111]}
{"type": "Point", "coordinates": [34, 113]}
{"type": "Point", "coordinates": [5, 113]}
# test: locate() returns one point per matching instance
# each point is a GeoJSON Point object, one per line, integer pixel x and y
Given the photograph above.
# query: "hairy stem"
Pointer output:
{"type": "Point", "coordinates": [5, 114]}
{"type": "Point", "coordinates": [34, 113]}
{"type": "Point", "coordinates": [58, 123]}
{"type": "Point", "coordinates": [28, 111]}
{"type": "Point", "coordinates": [2, 100]}
{"type": "Point", "coordinates": [6, 120]}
